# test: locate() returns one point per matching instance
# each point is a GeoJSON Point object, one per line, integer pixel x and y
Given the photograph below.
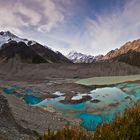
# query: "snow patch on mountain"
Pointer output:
{"type": "Point", "coordinates": [6, 37]}
{"type": "Point", "coordinates": [76, 57]}
{"type": "Point", "coordinates": [80, 58]}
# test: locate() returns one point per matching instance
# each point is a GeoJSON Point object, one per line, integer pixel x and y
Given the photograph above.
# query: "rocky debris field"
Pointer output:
{"type": "Point", "coordinates": [15, 71]}
{"type": "Point", "coordinates": [21, 121]}
{"type": "Point", "coordinates": [8, 125]}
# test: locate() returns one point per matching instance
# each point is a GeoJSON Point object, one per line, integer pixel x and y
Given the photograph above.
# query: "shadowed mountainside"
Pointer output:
{"type": "Point", "coordinates": [21, 52]}
{"type": "Point", "coordinates": [26, 51]}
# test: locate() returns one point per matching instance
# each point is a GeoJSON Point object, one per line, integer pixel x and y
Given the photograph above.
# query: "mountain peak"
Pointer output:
{"type": "Point", "coordinates": [77, 57]}
{"type": "Point", "coordinates": [8, 34]}
{"type": "Point", "coordinates": [28, 51]}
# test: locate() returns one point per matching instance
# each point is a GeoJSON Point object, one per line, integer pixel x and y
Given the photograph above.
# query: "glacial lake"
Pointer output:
{"type": "Point", "coordinates": [104, 105]}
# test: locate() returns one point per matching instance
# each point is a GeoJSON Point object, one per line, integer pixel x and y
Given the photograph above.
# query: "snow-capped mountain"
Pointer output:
{"type": "Point", "coordinates": [27, 51]}
{"type": "Point", "coordinates": [76, 57]}
{"type": "Point", "coordinates": [80, 58]}
{"type": "Point", "coordinates": [6, 37]}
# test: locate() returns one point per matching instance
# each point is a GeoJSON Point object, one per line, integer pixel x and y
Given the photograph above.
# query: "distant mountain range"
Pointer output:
{"type": "Point", "coordinates": [26, 51]}
{"type": "Point", "coordinates": [129, 53]}
{"type": "Point", "coordinates": [76, 57]}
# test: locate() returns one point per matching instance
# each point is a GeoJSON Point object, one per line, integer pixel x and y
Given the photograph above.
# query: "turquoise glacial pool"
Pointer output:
{"type": "Point", "coordinates": [111, 100]}
{"type": "Point", "coordinates": [32, 100]}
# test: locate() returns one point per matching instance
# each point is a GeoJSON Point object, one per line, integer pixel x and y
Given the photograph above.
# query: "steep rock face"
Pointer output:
{"type": "Point", "coordinates": [27, 51]}
{"type": "Point", "coordinates": [128, 53]}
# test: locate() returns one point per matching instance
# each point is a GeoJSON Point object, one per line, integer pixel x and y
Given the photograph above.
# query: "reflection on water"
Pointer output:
{"type": "Point", "coordinates": [107, 102]}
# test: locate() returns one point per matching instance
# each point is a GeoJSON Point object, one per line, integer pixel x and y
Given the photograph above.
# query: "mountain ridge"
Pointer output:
{"type": "Point", "coordinates": [33, 52]}
{"type": "Point", "coordinates": [128, 53]}
{"type": "Point", "coordinates": [77, 57]}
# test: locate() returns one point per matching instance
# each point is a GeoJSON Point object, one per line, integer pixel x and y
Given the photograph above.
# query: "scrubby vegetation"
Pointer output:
{"type": "Point", "coordinates": [67, 134]}
{"type": "Point", "coordinates": [125, 127]}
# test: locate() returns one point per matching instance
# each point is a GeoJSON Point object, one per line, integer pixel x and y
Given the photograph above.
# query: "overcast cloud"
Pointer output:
{"type": "Point", "coordinates": [67, 25]}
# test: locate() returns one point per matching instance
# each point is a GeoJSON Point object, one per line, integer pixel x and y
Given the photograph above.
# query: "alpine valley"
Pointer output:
{"type": "Point", "coordinates": [44, 92]}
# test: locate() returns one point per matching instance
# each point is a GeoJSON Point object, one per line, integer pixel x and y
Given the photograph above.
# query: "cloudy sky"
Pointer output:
{"type": "Point", "coordinates": [87, 26]}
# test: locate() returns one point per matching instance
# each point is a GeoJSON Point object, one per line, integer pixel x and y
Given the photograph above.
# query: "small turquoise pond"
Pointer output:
{"type": "Point", "coordinates": [32, 100]}
{"type": "Point", "coordinates": [111, 100]}
{"type": "Point", "coordinates": [22, 93]}
{"type": "Point", "coordinates": [8, 90]}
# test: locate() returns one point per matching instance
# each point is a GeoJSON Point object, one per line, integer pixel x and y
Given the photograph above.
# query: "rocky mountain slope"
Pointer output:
{"type": "Point", "coordinates": [128, 53]}
{"type": "Point", "coordinates": [76, 57]}
{"type": "Point", "coordinates": [27, 51]}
